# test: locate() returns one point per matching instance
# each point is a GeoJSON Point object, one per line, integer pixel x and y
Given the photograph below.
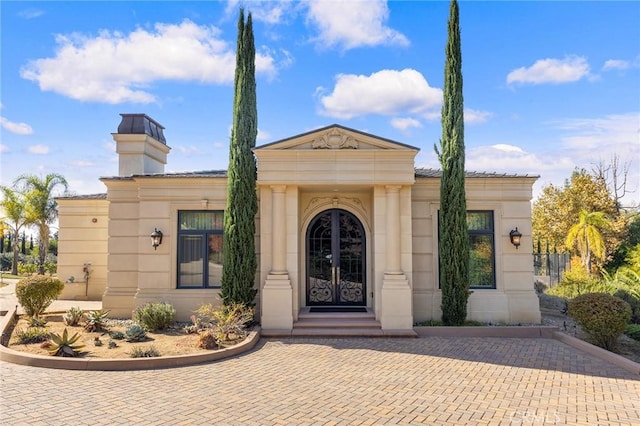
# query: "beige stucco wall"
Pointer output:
{"type": "Point", "coordinates": [82, 239]}
{"type": "Point", "coordinates": [137, 273]}
{"type": "Point", "coordinates": [513, 300]}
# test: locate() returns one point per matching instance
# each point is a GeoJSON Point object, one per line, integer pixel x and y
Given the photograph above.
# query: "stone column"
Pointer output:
{"type": "Point", "coordinates": [278, 228]}
{"type": "Point", "coordinates": [397, 302]}
{"type": "Point", "coordinates": [277, 294]}
{"type": "Point", "coordinates": [393, 230]}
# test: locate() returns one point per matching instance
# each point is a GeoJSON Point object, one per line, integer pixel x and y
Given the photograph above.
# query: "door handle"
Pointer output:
{"type": "Point", "coordinates": [338, 274]}
{"type": "Point", "coordinates": [333, 274]}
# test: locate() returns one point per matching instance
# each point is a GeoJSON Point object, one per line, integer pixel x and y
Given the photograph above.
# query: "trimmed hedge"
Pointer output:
{"type": "Point", "coordinates": [602, 316]}
{"type": "Point", "coordinates": [37, 292]}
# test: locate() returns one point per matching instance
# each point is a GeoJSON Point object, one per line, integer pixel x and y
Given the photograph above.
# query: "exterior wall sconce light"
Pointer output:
{"type": "Point", "coordinates": [515, 236]}
{"type": "Point", "coordinates": [156, 238]}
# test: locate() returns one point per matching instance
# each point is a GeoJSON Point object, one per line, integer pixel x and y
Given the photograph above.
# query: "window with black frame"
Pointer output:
{"type": "Point", "coordinates": [200, 236]}
{"type": "Point", "coordinates": [481, 249]}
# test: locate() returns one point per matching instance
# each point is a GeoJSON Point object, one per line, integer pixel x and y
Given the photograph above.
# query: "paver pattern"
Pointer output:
{"type": "Point", "coordinates": [435, 381]}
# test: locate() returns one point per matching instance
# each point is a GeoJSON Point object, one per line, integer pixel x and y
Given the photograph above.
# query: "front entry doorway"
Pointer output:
{"type": "Point", "coordinates": [336, 260]}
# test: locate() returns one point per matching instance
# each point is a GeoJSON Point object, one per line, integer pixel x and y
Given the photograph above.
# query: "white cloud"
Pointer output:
{"type": "Point", "coordinates": [618, 132]}
{"type": "Point", "coordinates": [188, 151]}
{"type": "Point", "coordinates": [405, 123]}
{"type": "Point", "coordinates": [114, 67]}
{"type": "Point", "coordinates": [4, 148]}
{"type": "Point", "coordinates": [386, 92]}
{"type": "Point", "coordinates": [591, 140]}
{"type": "Point", "coordinates": [616, 64]}
{"type": "Point", "coordinates": [263, 135]}
{"type": "Point", "coordinates": [38, 149]}
{"type": "Point", "coordinates": [351, 24]}
{"type": "Point", "coordinates": [569, 69]}
{"type": "Point", "coordinates": [474, 116]}
{"type": "Point", "coordinates": [30, 13]}
{"type": "Point", "coordinates": [82, 163]}
{"type": "Point", "coordinates": [17, 128]}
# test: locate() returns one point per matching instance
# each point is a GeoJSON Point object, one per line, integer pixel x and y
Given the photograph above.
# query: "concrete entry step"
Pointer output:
{"type": "Point", "coordinates": [341, 324]}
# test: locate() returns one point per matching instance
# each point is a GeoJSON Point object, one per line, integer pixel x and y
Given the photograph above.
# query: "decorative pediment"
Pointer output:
{"type": "Point", "coordinates": [334, 139]}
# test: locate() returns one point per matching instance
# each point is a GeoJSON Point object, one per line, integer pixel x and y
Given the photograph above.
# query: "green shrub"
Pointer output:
{"type": "Point", "coordinates": [148, 352]}
{"type": "Point", "coordinates": [37, 292]}
{"type": "Point", "coordinates": [228, 322]}
{"type": "Point", "coordinates": [155, 316]}
{"type": "Point", "coordinates": [633, 331]}
{"type": "Point", "coordinates": [602, 316]}
{"type": "Point", "coordinates": [577, 282]}
{"type": "Point", "coordinates": [32, 335]}
{"type": "Point", "coordinates": [633, 301]}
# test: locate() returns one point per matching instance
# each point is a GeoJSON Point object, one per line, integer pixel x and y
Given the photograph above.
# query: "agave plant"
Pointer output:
{"type": "Point", "coordinates": [135, 333]}
{"type": "Point", "coordinates": [63, 345]}
{"type": "Point", "coordinates": [95, 320]}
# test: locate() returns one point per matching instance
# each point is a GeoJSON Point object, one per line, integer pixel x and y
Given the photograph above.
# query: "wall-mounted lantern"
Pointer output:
{"type": "Point", "coordinates": [156, 238]}
{"type": "Point", "coordinates": [515, 236]}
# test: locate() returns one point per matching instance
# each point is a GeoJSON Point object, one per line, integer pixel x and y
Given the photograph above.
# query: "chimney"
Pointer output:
{"type": "Point", "coordinates": [141, 146]}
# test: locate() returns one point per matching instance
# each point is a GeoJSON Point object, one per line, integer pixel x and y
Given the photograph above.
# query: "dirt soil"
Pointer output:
{"type": "Point", "coordinates": [174, 341]}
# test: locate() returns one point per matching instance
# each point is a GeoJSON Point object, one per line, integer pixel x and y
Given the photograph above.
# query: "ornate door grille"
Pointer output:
{"type": "Point", "coordinates": [335, 260]}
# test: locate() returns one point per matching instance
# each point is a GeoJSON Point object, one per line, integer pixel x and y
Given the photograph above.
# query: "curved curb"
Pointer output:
{"type": "Point", "coordinates": [119, 364]}
{"type": "Point", "coordinates": [598, 352]}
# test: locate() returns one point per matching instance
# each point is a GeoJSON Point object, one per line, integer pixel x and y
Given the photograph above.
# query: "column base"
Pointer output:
{"type": "Point", "coordinates": [396, 303]}
{"type": "Point", "coordinates": [120, 304]}
{"type": "Point", "coordinates": [277, 303]}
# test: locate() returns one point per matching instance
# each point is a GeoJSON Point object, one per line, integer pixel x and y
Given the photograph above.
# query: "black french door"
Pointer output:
{"type": "Point", "coordinates": [336, 260]}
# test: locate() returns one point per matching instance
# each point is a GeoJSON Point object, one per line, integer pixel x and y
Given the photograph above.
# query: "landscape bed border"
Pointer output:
{"type": "Point", "coordinates": [116, 364]}
{"type": "Point", "coordinates": [123, 364]}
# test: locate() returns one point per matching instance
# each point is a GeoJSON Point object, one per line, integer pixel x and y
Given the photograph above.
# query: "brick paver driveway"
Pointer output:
{"type": "Point", "coordinates": [340, 381]}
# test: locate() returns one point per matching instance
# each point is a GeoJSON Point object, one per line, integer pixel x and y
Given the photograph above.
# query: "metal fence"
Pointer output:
{"type": "Point", "coordinates": [549, 267]}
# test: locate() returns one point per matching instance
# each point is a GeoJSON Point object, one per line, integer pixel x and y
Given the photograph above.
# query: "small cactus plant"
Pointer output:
{"type": "Point", "coordinates": [73, 316]}
{"type": "Point", "coordinates": [135, 333]}
{"type": "Point", "coordinates": [63, 345]}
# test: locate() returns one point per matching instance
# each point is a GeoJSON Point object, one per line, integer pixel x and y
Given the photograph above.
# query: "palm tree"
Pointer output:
{"type": "Point", "coordinates": [14, 205]}
{"type": "Point", "coordinates": [587, 236]}
{"type": "Point", "coordinates": [41, 208]}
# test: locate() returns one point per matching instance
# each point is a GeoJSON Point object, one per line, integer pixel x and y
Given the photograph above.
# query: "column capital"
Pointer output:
{"type": "Point", "coordinates": [278, 188]}
{"type": "Point", "coordinates": [393, 188]}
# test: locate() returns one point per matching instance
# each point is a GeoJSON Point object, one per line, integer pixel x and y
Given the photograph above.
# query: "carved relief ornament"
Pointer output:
{"type": "Point", "coordinates": [334, 139]}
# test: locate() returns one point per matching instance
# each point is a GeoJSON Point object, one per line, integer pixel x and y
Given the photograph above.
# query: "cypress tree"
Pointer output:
{"type": "Point", "coordinates": [239, 255]}
{"type": "Point", "coordinates": [453, 233]}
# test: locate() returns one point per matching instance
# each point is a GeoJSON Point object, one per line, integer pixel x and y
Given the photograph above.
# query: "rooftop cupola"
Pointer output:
{"type": "Point", "coordinates": [141, 146]}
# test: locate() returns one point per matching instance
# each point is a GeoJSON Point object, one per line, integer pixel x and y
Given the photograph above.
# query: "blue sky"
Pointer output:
{"type": "Point", "coordinates": [548, 86]}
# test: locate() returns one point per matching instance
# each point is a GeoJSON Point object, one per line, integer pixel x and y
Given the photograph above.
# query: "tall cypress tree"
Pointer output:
{"type": "Point", "coordinates": [239, 262]}
{"type": "Point", "coordinates": [453, 233]}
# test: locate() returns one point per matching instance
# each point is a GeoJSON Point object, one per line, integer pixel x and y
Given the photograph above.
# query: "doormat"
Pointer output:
{"type": "Point", "coordinates": [323, 309]}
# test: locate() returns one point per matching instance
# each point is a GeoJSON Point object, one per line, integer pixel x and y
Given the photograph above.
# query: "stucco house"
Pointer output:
{"type": "Point", "coordinates": [345, 220]}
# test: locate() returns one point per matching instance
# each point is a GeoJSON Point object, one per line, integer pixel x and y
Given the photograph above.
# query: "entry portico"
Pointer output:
{"type": "Point", "coordinates": [350, 180]}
